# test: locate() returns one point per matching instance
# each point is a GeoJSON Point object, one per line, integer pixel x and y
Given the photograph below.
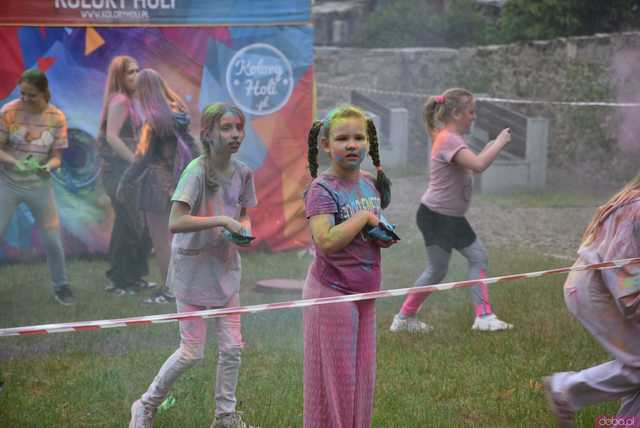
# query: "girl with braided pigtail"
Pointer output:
{"type": "Point", "coordinates": [343, 205]}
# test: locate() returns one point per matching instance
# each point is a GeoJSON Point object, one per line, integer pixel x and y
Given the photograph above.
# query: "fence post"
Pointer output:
{"type": "Point", "coordinates": [399, 136]}
{"type": "Point", "coordinates": [536, 151]}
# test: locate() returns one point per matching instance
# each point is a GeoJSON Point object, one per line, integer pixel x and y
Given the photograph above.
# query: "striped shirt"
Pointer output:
{"type": "Point", "coordinates": [23, 133]}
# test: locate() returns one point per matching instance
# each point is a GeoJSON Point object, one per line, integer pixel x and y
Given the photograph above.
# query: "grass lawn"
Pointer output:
{"type": "Point", "coordinates": [453, 377]}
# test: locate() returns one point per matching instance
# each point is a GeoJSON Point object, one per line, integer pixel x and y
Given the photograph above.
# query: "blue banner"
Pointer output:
{"type": "Point", "coordinates": [154, 12]}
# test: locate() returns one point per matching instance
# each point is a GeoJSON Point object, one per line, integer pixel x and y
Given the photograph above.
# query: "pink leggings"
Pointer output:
{"type": "Point", "coordinates": [437, 267]}
{"type": "Point", "coordinates": [339, 360]}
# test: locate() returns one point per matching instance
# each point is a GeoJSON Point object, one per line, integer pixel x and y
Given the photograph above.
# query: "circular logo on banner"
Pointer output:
{"type": "Point", "coordinates": [259, 79]}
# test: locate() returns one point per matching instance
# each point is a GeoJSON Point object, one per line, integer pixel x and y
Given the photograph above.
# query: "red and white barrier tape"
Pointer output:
{"type": "Point", "coordinates": [213, 313]}
{"type": "Point", "coordinates": [481, 98]}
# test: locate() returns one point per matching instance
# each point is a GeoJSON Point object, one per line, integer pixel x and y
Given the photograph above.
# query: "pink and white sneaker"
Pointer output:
{"type": "Point", "coordinates": [490, 323]}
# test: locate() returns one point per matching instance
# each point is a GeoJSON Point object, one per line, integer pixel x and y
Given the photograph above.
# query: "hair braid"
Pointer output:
{"type": "Point", "coordinates": [383, 184]}
{"type": "Point", "coordinates": [312, 153]}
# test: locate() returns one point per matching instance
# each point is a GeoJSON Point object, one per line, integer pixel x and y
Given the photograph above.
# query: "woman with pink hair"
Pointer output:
{"type": "Point", "coordinates": [164, 149]}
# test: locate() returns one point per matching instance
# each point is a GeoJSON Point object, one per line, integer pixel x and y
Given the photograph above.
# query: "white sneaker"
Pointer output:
{"type": "Point", "coordinates": [230, 420]}
{"type": "Point", "coordinates": [490, 323]}
{"type": "Point", "coordinates": [410, 324]}
{"type": "Point", "coordinates": [559, 406]}
{"type": "Point", "coordinates": [141, 415]}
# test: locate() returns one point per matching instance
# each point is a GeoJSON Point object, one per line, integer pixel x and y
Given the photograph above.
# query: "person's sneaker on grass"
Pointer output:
{"type": "Point", "coordinates": [409, 324]}
{"type": "Point", "coordinates": [558, 405]}
{"type": "Point", "coordinates": [141, 416]}
{"type": "Point", "coordinates": [490, 323]}
{"type": "Point", "coordinates": [121, 289]}
{"type": "Point", "coordinates": [160, 297]}
{"type": "Point", "coordinates": [143, 284]}
{"type": "Point", "coordinates": [230, 420]}
{"type": "Point", "coordinates": [63, 295]}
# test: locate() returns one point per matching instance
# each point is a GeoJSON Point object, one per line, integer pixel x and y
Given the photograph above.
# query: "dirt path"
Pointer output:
{"type": "Point", "coordinates": [553, 231]}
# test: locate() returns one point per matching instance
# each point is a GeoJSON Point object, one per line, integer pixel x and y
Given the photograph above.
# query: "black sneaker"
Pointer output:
{"type": "Point", "coordinates": [63, 295]}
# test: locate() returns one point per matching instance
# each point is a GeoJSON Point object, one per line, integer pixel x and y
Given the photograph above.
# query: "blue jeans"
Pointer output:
{"type": "Point", "coordinates": [42, 204]}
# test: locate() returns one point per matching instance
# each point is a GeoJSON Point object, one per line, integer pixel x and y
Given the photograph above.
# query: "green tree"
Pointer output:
{"type": "Point", "coordinates": [547, 19]}
{"type": "Point", "coordinates": [410, 23]}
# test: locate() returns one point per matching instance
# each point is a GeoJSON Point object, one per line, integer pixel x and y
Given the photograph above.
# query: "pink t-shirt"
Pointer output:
{"type": "Point", "coordinates": [355, 268]}
{"type": "Point", "coordinates": [450, 185]}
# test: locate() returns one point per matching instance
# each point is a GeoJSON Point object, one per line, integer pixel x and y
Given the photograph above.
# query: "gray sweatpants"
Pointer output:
{"type": "Point", "coordinates": [593, 305]}
{"type": "Point", "coordinates": [42, 205]}
{"type": "Point", "coordinates": [437, 267]}
{"type": "Point", "coordinates": [193, 338]}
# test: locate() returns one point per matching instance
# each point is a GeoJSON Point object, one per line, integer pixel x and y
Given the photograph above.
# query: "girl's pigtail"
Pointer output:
{"type": "Point", "coordinates": [312, 153]}
{"type": "Point", "coordinates": [383, 184]}
{"type": "Point", "coordinates": [430, 115]}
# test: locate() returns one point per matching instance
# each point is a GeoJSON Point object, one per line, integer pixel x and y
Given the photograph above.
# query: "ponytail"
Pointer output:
{"type": "Point", "coordinates": [430, 116]}
{"type": "Point", "coordinates": [439, 108]}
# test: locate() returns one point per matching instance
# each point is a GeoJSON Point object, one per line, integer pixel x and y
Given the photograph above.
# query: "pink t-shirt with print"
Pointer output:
{"type": "Point", "coordinates": [356, 267]}
{"type": "Point", "coordinates": [450, 185]}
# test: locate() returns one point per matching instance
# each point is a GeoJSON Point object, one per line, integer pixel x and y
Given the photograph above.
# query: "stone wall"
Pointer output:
{"type": "Point", "coordinates": [597, 68]}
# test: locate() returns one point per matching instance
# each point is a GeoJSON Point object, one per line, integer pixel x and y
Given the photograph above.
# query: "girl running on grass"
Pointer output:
{"type": "Point", "coordinates": [441, 216]}
{"type": "Point", "coordinates": [209, 218]}
{"type": "Point", "coordinates": [607, 303]}
{"type": "Point", "coordinates": [343, 206]}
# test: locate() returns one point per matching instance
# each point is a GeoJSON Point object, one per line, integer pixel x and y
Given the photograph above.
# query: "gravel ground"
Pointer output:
{"type": "Point", "coordinates": [553, 231]}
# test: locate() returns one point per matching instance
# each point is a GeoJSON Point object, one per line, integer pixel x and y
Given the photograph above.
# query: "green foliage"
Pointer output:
{"type": "Point", "coordinates": [410, 23]}
{"type": "Point", "coordinates": [547, 19]}
{"type": "Point", "coordinates": [474, 80]}
{"type": "Point", "coordinates": [407, 23]}
{"type": "Point", "coordinates": [586, 82]}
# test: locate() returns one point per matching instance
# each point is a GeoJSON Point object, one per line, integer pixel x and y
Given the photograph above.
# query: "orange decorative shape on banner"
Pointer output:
{"type": "Point", "coordinates": [45, 62]}
{"type": "Point", "coordinates": [93, 41]}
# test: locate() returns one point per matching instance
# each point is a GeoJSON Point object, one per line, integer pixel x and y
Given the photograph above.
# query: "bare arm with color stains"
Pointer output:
{"type": "Point", "coordinates": [331, 237]}
{"type": "Point", "coordinates": [181, 221]}
{"type": "Point", "coordinates": [116, 116]}
{"type": "Point", "coordinates": [244, 220]}
{"type": "Point", "coordinates": [482, 161]}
